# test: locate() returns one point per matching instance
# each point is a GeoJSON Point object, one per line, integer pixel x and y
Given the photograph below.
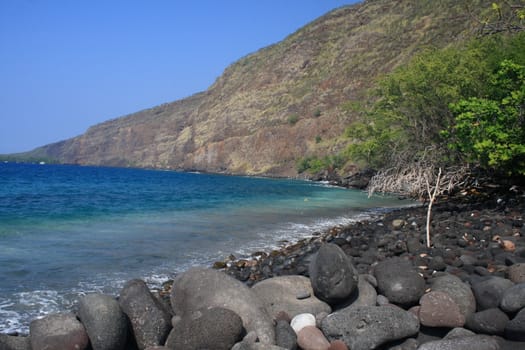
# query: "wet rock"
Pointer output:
{"type": "Point", "coordinates": [516, 273]}
{"type": "Point", "coordinates": [489, 292]}
{"type": "Point", "coordinates": [214, 328]}
{"type": "Point", "coordinates": [104, 320]}
{"type": "Point", "coordinates": [398, 280]}
{"type": "Point", "coordinates": [489, 321]}
{"type": "Point", "coordinates": [200, 288]}
{"type": "Point", "coordinates": [285, 336]}
{"type": "Point", "coordinates": [291, 294]}
{"type": "Point", "coordinates": [332, 274]}
{"type": "Point", "coordinates": [311, 338]}
{"type": "Point", "coordinates": [515, 329]}
{"type": "Point", "coordinates": [58, 331]}
{"type": "Point", "coordinates": [438, 309]}
{"type": "Point", "coordinates": [367, 327]}
{"type": "Point", "coordinates": [459, 291]}
{"type": "Point", "coordinates": [150, 322]}
{"type": "Point", "coordinates": [478, 342]}
{"type": "Point", "coordinates": [513, 299]}
{"type": "Point", "coordinates": [10, 342]}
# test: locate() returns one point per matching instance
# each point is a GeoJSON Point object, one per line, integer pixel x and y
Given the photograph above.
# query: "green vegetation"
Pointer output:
{"type": "Point", "coordinates": [315, 165]}
{"type": "Point", "coordinates": [466, 104]}
{"type": "Point", "coordinates": [293, 119]}
{"type": "Point", "coordinates": [490, 132]}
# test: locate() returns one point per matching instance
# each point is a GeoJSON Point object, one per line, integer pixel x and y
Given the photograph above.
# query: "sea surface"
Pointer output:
{"type": "Point", "coordinates": [70, 230]}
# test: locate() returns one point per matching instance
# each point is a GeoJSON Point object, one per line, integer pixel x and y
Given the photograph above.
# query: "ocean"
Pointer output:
{"type": "Point", "coordinates": [70, 230]}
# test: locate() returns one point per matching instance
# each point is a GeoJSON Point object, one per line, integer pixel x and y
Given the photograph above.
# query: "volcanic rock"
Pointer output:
{"type": "Point", "coordinates": [200, 288]}
{"type": "Point", "coordinates": [58, 331]}
{"type": "Point", "coordinates": [332, 274]}
{"type": "Point", "coordinates": [214, 328]}
{"type": "Point", "coordinates": [478, 342]}
{"type": "Point", "coordinates": [514, 298]}
{"type": "Point", "coordinates": [398, 280]}
{"type": "Point", "coordinates": [489, 292]}
{"type": "Point", "coordinates": [105, 322]}
{"type": "Point", "coordinates": [150, 322]}
{"type": "Point", "coordinates": [291, 294]}
{"type": "Point", "coordinates": [438, 309]}
{"type": "Point", "coordinates": [367, 327]}
{"type": "Point", "coordinates": [489, 321]}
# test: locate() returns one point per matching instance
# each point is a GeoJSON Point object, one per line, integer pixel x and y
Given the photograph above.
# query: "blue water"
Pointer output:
{"type": "Point", "coordinates": [68, 230]}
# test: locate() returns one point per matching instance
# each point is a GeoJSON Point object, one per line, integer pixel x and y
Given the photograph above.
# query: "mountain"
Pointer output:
{"type": "Point", "coordinates": [280, 103]}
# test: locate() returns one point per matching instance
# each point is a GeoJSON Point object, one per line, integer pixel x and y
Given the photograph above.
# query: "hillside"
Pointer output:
{"type": "Point", "coordinates": [281, 103]}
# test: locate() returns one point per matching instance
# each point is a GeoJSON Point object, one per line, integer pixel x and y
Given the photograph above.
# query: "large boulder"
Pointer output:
{"type": "Point", "coordinates": [458, 291]}
{"type": "Point", "coordinates": [10, 342]}
{"type": "Point", "coordinates": [58, 331]}
{"type": "Point", "coordinates": [201, 288]}
{"type": "Point", "coordinates": [150, 321]}
{"type": "Point", "coordinates": [477, 342]}
{"type": "Point", "coordinates": [398, 280]}
{"type": "Point", "coordinates": [105, 322]}
{"type": "Point", "coordinates": [513, 299]}
{"type": "Point", "coordinates": [489, 292]}
{"type": "Point", "coordinates": [332, 274]}
{"type": "Point", "coordinates": [367, 327]}
{"type": "Point", "coordinates": [214, 328]}
{"type": "Point", "coordinates": [291, 294]}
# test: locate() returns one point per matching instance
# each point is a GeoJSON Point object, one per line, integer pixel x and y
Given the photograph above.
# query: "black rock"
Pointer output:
{"type": "Point", "coordinates": [513, 299]}
{"type": "Point", "coordinates": [515, 329]}
{"type": "Point", "coordinates": [150, 322]}
{"type": "Point", "coordinates": [399, 281]}
{"type": "Point", "coordinates": [489, 292]}
{"type": "Point", "coordinates": [105, 322]}
{"type": "Point", "coordinates": [489, 321]}
{"type": "Point", "coordinates": [285, 336]}
{"type": "Point", "coordinates": [332, 274]}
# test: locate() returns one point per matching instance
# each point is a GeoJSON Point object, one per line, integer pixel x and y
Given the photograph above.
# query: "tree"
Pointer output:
{"type": "Point", "coordinates": [490, 132]}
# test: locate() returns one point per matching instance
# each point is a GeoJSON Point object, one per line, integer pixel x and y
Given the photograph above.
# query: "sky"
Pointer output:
{"type": "Point", "coordinates": [67, 65]}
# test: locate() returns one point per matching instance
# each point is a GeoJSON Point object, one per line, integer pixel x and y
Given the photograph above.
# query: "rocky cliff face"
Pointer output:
{"type": "Point", "coordinates": [281, 103]}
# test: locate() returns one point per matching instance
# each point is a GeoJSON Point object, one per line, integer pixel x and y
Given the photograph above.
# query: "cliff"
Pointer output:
{"type": "Point", "coordinates": [281, 103]}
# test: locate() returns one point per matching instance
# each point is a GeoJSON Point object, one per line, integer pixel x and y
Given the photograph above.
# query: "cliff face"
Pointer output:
{"type": "Point", "coordinates": [281, 103]}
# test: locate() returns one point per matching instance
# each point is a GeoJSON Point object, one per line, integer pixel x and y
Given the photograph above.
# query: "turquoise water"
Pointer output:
{"type": "Point", "coordinates": [68, 230]}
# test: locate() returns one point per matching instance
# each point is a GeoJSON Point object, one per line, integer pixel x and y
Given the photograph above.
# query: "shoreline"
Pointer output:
{"type": "Point", "coordinates": [464, 244]}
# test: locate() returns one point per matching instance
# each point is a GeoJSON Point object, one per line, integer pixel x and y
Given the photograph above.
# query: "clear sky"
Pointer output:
{"type": "Point", "coordinates": [66, 65]}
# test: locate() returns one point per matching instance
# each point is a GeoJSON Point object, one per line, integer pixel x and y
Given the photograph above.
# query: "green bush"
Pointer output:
{"type": "Point", "coordinates": [490, 132]}
{"type": "Point", "coordinates": [293, 119]}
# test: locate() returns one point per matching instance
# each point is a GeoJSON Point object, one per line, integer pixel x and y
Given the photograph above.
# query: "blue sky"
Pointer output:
{"type": "Point", "coordinates": [66, 65]}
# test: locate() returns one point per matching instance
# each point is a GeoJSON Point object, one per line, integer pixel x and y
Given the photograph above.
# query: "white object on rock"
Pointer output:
{"type": "Point", "coordinates": [302, 320]}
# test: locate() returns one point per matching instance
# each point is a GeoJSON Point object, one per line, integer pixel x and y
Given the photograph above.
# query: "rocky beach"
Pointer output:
{"type": "Point", "coordinates": [372, 284]}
